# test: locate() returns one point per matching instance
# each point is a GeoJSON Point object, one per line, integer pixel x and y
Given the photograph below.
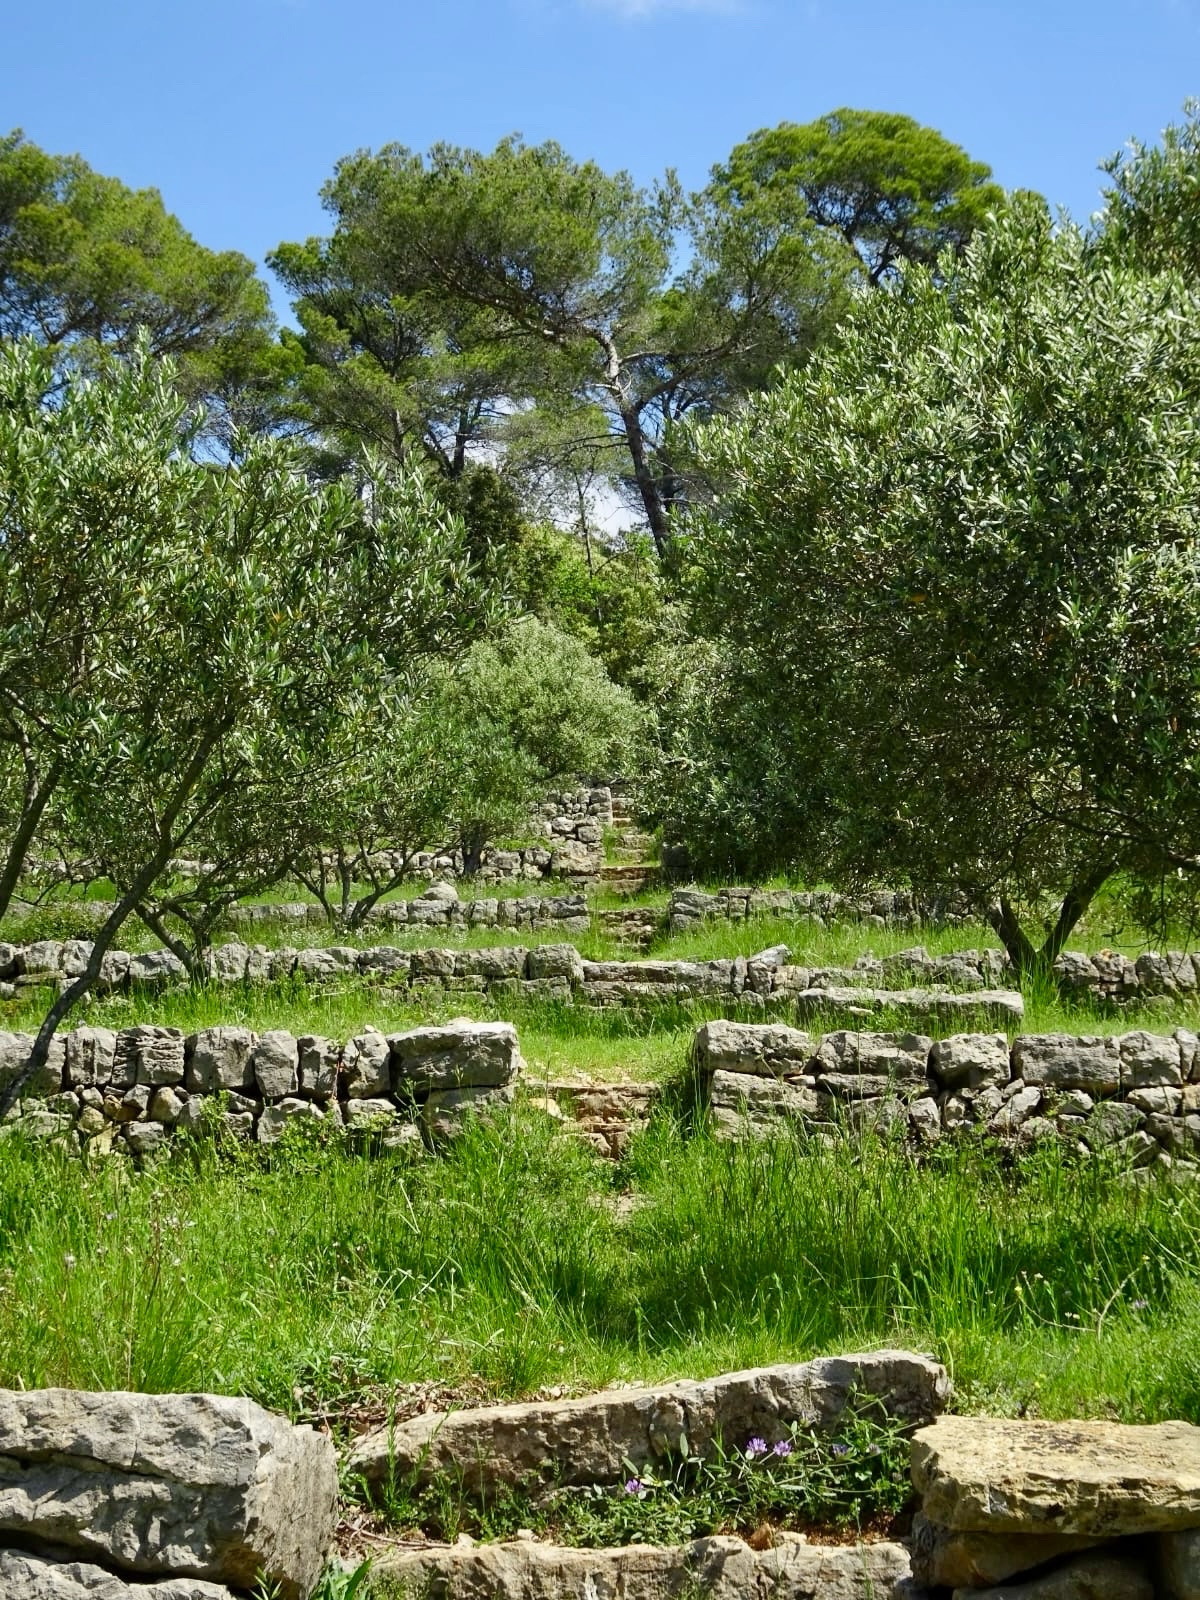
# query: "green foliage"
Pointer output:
{"type": "Point", "coordinates": [86, 262]}
{"type": "Point", "coordinates": [894, 191]}
{"type": "Point", "coordinates": [951, 570]}
{"type": "Point", "coordinates": [190, 654]}
{"type": "Point", "coordinates": [526, 710]}
{"type": "Point", "coordinates": [1151, 217]}
{"type": "Point", "coordinates": [465, 296]}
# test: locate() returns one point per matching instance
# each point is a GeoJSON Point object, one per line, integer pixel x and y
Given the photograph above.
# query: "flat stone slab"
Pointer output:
{"type": "Point", "coordinates": [989, 1474]}
{"type": "Point", "coordinates": [956, 1559]}
{"type": "Point", "coordinates": [29, 1577]}
{"type": "Point", "coordinates": [172, 1485]}
{"type": "Point", "coordinates": [717, 1568]}
{"type": "Point", "coordinates": [593, 1439]}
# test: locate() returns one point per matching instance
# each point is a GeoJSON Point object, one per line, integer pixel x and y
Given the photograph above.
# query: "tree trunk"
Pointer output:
{"type": "Point", "coordinates": [32, 812]}
{"type": "Point", "coordinates": [652, 501]}
{"type": "Point", "coordinates": [1027, 960]}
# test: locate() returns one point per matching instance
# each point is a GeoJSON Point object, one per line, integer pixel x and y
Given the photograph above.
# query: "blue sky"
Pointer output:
{"type": "Point", "coordinates": [236, 110]}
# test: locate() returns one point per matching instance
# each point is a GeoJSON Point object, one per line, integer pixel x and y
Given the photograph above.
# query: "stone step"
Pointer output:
{"type": "Point", "coordinates": [629, 877]}
{"type": "Point", "coordinates": [597, 1438]}
{"type": "Point", "coordinates": [719, 1568]}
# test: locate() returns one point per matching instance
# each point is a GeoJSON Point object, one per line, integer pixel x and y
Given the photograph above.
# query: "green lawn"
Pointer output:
{"type": "Point", "coordinates": [311, 1278]}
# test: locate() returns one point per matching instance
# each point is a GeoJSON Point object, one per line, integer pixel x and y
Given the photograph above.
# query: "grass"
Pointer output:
{"type": "Point", "coordinates": [309, 1278]}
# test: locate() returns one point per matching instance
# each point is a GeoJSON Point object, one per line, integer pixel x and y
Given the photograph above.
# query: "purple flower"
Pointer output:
{"type": "Point", "coordinates": [634, 1486]}
{"type": "Point", "coordinates": [756, 1447]}
{"type": "Point", "coordinates": [782, 1447]}
{"type": "Point", "coordinates": [839, 1450]}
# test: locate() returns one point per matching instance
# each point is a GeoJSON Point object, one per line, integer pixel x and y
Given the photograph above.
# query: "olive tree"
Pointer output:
{"type": "Point", "coordinates": [188, 652]}
{"type": "Point", "coordinates": [953, 578]}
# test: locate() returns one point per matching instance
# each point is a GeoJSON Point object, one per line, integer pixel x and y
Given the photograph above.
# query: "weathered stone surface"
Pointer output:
{"type": "Point", "coordinates": [220, 1058]}
{"type": "Point", "coordinates": [199, 1486]}
{"type": "Point", "coordinates": [156, 968]}
{"type": "Point", "coordinates": [1098, 1575]}
{"type": "Point", "coordinates": [943, 1558]}
{"type": "Point", "coordinates": [718, 1568]}
{"type": "Point", "coordinates": [743, 1105]}
{"type": "Point", "coordinates": [1149, 1059]}
{"type": "Point", "coordinates": [446, 1111]}
{"type": "Point", "coordinates": [273, 1119]}
{"type": "Point", "coordinates": [504, 961]}
{"type": "Point", "coordinates": [14, 1054]}
{"type": "Point", "coordinates": [30, 1577]}
{"type": "Point", "coordinates": [461, 1055]}
{"type": "Point", "coordinates": [1177, 1563]}
{"type": "Point", "coordinates": [89, 1054]}
{"type": "Point", "coordinates": [1061, 1061]}
{"type": "Point", "coordinates": [148, 1055]}
{"type": "Point", "coordinates": [379, 1123]}
{"type": "Point", "coordinates": [895, 1057]}
{"type": "Point", "coordinates": [763, 1049]}
{"type": "Point", "coordinates": [590, 1440]}
{"type": "Point", "coordinates": [989, 1474]}
{"type": "Point", "coordinates": [365, 1062]}
{"type": "Point", "coordinates": [318, 1067]}
{"type": "Point", "coordinates": [228, 963]}
{"type": "Point", "coordinates": [276, 1065]}
{"type": "Point", "coordinates": [555, 961]}
{"type": "Point", "coordinates": [970, 1060]}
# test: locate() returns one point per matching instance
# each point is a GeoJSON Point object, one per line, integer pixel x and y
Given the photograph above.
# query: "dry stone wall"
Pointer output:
{"type": "Point", "coordinates": [128, 1092]}
{"type": "Point", "coordinates": [1136, 1095]}
{"type": "Point", "coordinates": [504, 973]}
{"type": "Point", "coordinates": [437, 908]}
{"type": "Point", "coordinates": [169, 1497]}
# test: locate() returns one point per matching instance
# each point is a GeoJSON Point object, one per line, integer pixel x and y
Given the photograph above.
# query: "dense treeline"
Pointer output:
{"type": "Point", "coordinates": [908, 581]}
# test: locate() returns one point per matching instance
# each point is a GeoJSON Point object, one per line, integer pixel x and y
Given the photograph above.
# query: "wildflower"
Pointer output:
{"type": "Point", "coordinates": [756, 1447]}
{"type": "Point", "coordinates": [839, 1450]}
{"type": "Point", "coordinates": [69, 1261]}
{"type": "Point", "coordinates": [782, 1447]}
{"type": "Point", "coordinates": [634, 1486]}
{"type": "Point", "coordinates": [1139, 1305]}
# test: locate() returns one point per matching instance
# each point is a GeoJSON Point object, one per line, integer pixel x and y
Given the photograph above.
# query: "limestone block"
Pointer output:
{"type": "Point", "coordinates": [1061, 1061]}
{"type": "Point", "coordinates": [719, 1568]}
{"type": "Point", "coordinates": [1109, 1124]}
{"type": "Point", "coordinates": [765, 1050]}
{"type": "Point", "coordinates": [149, 1055]}
{"type": "Point", "coordinates": [1098, 1575]}
{"type": "Point", "coordinates": [999, 1475]}
{"type": "Point", "coordinates": [743, 1105]}
{"type": "Point", "coordinates": [14, 1054]}
{"type": "Point", "coordinates": [925, 1119]}
{"type": "Point", "coordinates": [157, 968]}
{"type": "Point", "coordinates": [165, 1106]}
{"type": "Point", "coordinates": [28, 1577]}
{"type": "Point", "coordinates": [459, 1055]}
{"type": "Point", "coordinates": [88, 1056]}
{"type": "Point", "coordinates": [591, 1439]}
{"type": "Point", "coordinates": [1016, 1110]}
{"type": "Point", "coordinates": [220, 1058]}
{"type": "Point", "coordinates": [506, 961]}
{"type": "Point", "coordinates": [556, 961]}
{"type": "Point", "coordinates": [385, 961]}
{"type": "Point", "coordinates": [432, 964]}
{"type": "Point", "coordinates": [894, 1057]}
{"type": "Point", "coordinates": [42, 956]}
{"type": "Point", "coordinates": [318, 1067]}
{"type": "Point", "coordinates": [76, 953]}
{"type": "Point", "coordinates": [276, 1065]}
{"type": "Point", "coordinates": [144, 1138]}
{"type": "Point", "coordinates": [365, 1064]}
{"type": "Point", "coordinates": [946, 1559]}
{"type": "Point", "coordinates": [197, 1486]}
{"type": "Point", "coordinates": [1161, 1100]}
{"type": "Point", "coordinates": [1178, 1565]}
{"type": "Point", "coordinates": [274, 1119]}
{"type": "Point", "coordinates": [446, 1112]}
{"type": "Point", "coordinates": [227, 963]}
{"type": "Point", "coordinates": [1149, 1059]}
{"type": "Point", "coordinates": [970, 1060]}
{"type": "Point", "coordinates": [379, 1123]}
